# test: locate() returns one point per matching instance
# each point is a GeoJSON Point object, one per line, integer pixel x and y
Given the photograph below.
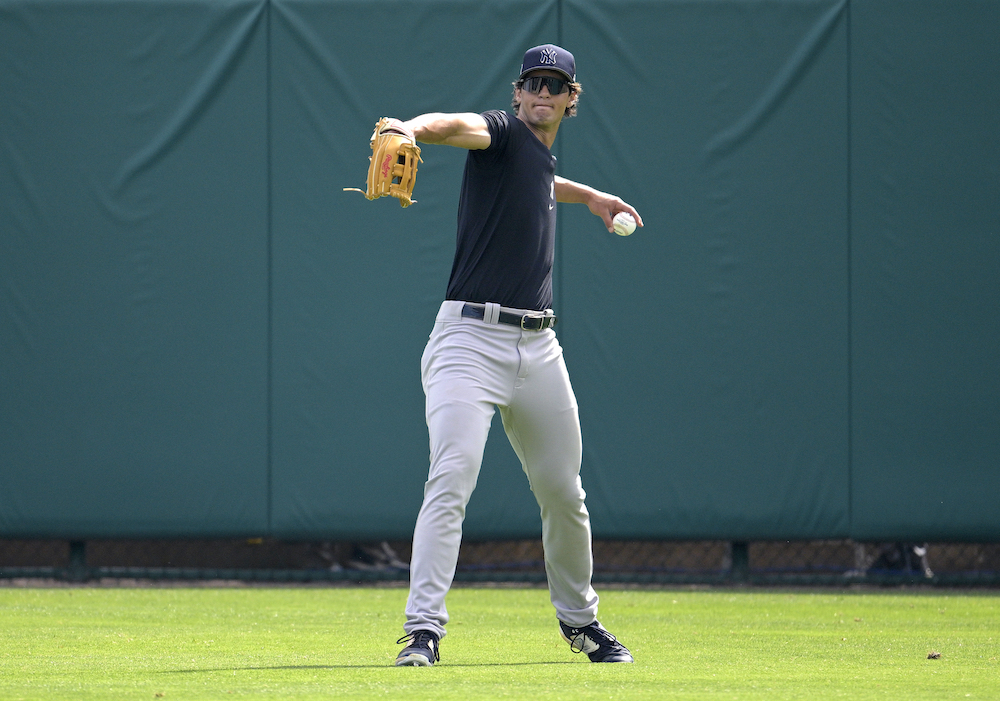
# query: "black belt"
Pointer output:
{"type": "Point", "coordinates": [532, 321]}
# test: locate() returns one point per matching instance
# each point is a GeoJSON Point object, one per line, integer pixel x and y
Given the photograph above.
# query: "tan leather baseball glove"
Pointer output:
{"type": "Point", "coordinates": [392, 167]}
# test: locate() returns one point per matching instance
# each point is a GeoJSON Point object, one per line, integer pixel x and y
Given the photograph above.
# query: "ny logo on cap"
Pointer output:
{"type": "Point", "coordinates": [548, 57]}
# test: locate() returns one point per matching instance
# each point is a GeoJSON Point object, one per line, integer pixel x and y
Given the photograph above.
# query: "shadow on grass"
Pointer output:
{"type": "Point", "coordinates": [359, 666]}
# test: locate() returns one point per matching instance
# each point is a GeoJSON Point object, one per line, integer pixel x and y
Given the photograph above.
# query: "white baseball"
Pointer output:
{"type": "Point", "coordinates": [624, 223]}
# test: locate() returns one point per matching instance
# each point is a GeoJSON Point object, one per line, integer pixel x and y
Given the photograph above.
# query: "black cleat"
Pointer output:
{"type": "Point", "coordinates": [422, 650]}
{"type": "Point", "coordinates": [594, 640]}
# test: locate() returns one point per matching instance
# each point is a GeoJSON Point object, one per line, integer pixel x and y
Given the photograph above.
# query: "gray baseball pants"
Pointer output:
{"type": "Point", "coordinates": [469, 367]}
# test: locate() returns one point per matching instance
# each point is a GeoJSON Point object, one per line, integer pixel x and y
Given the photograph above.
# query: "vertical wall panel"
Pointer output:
{"type": "Point", "coordinates": [133, 268]}
{"type": "Point", "coordinates": [926, 251]}
{"type": "Point", "coordinates": [709, 349]}
{"type": "Point", "coordinates": [357, 283]}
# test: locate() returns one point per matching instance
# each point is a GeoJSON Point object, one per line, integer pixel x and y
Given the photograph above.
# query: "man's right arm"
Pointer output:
{"type": "Point", "coordinates": [464, 130]}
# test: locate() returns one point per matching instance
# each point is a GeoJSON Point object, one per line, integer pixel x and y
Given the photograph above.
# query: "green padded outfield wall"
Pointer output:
{"type": "Point", "coordinates": [201, 334]}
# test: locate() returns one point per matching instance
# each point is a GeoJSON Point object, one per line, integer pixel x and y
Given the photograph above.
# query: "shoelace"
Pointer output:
{"type": "Point", "coordinates": [422, 638]}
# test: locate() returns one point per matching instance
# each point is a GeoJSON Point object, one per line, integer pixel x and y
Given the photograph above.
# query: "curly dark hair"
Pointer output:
{"type": "Point", "coordinates": [575, 90]}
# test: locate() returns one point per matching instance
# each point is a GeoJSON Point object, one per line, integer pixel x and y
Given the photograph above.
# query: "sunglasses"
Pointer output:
{"type": "Point", "coordinates": [556, 86]}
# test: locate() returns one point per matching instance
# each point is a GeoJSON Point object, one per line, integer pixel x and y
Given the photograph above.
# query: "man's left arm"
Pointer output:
{"type": "Point", "coordinates": [602, 204]}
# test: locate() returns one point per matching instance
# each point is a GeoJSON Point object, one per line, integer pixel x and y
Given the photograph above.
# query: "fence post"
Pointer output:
{"type": "Point", "coordinates": [739, 570]}
{"type": "Point", "coordinates": [77, 570]}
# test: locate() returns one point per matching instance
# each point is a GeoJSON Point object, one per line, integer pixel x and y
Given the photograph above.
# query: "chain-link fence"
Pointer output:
{"type": "Point", "coordinates": [821, 562]}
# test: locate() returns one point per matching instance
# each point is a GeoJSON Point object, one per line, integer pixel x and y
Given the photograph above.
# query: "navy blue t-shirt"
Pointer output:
{"type": "Point", "coordinates": [506, 220]}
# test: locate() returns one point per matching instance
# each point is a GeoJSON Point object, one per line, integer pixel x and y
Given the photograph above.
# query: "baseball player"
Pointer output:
{"type": "Point", "coordinates": [493, 345]}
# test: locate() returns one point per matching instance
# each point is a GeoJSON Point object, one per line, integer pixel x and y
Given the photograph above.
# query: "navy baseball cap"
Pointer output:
{"type": "Point", "coordinates": [549, 57]}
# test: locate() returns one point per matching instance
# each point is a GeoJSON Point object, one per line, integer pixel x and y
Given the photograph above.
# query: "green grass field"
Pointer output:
{"type": "Point", "coordinates": [314, 643]}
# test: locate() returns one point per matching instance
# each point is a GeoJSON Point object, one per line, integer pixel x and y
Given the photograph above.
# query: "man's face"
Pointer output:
{"type": "Point", "coordinates": [542, 108]}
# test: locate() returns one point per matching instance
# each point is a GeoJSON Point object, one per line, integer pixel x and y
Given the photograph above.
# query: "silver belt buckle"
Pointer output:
{"type": "Point", "coordinates": [541, 318]}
